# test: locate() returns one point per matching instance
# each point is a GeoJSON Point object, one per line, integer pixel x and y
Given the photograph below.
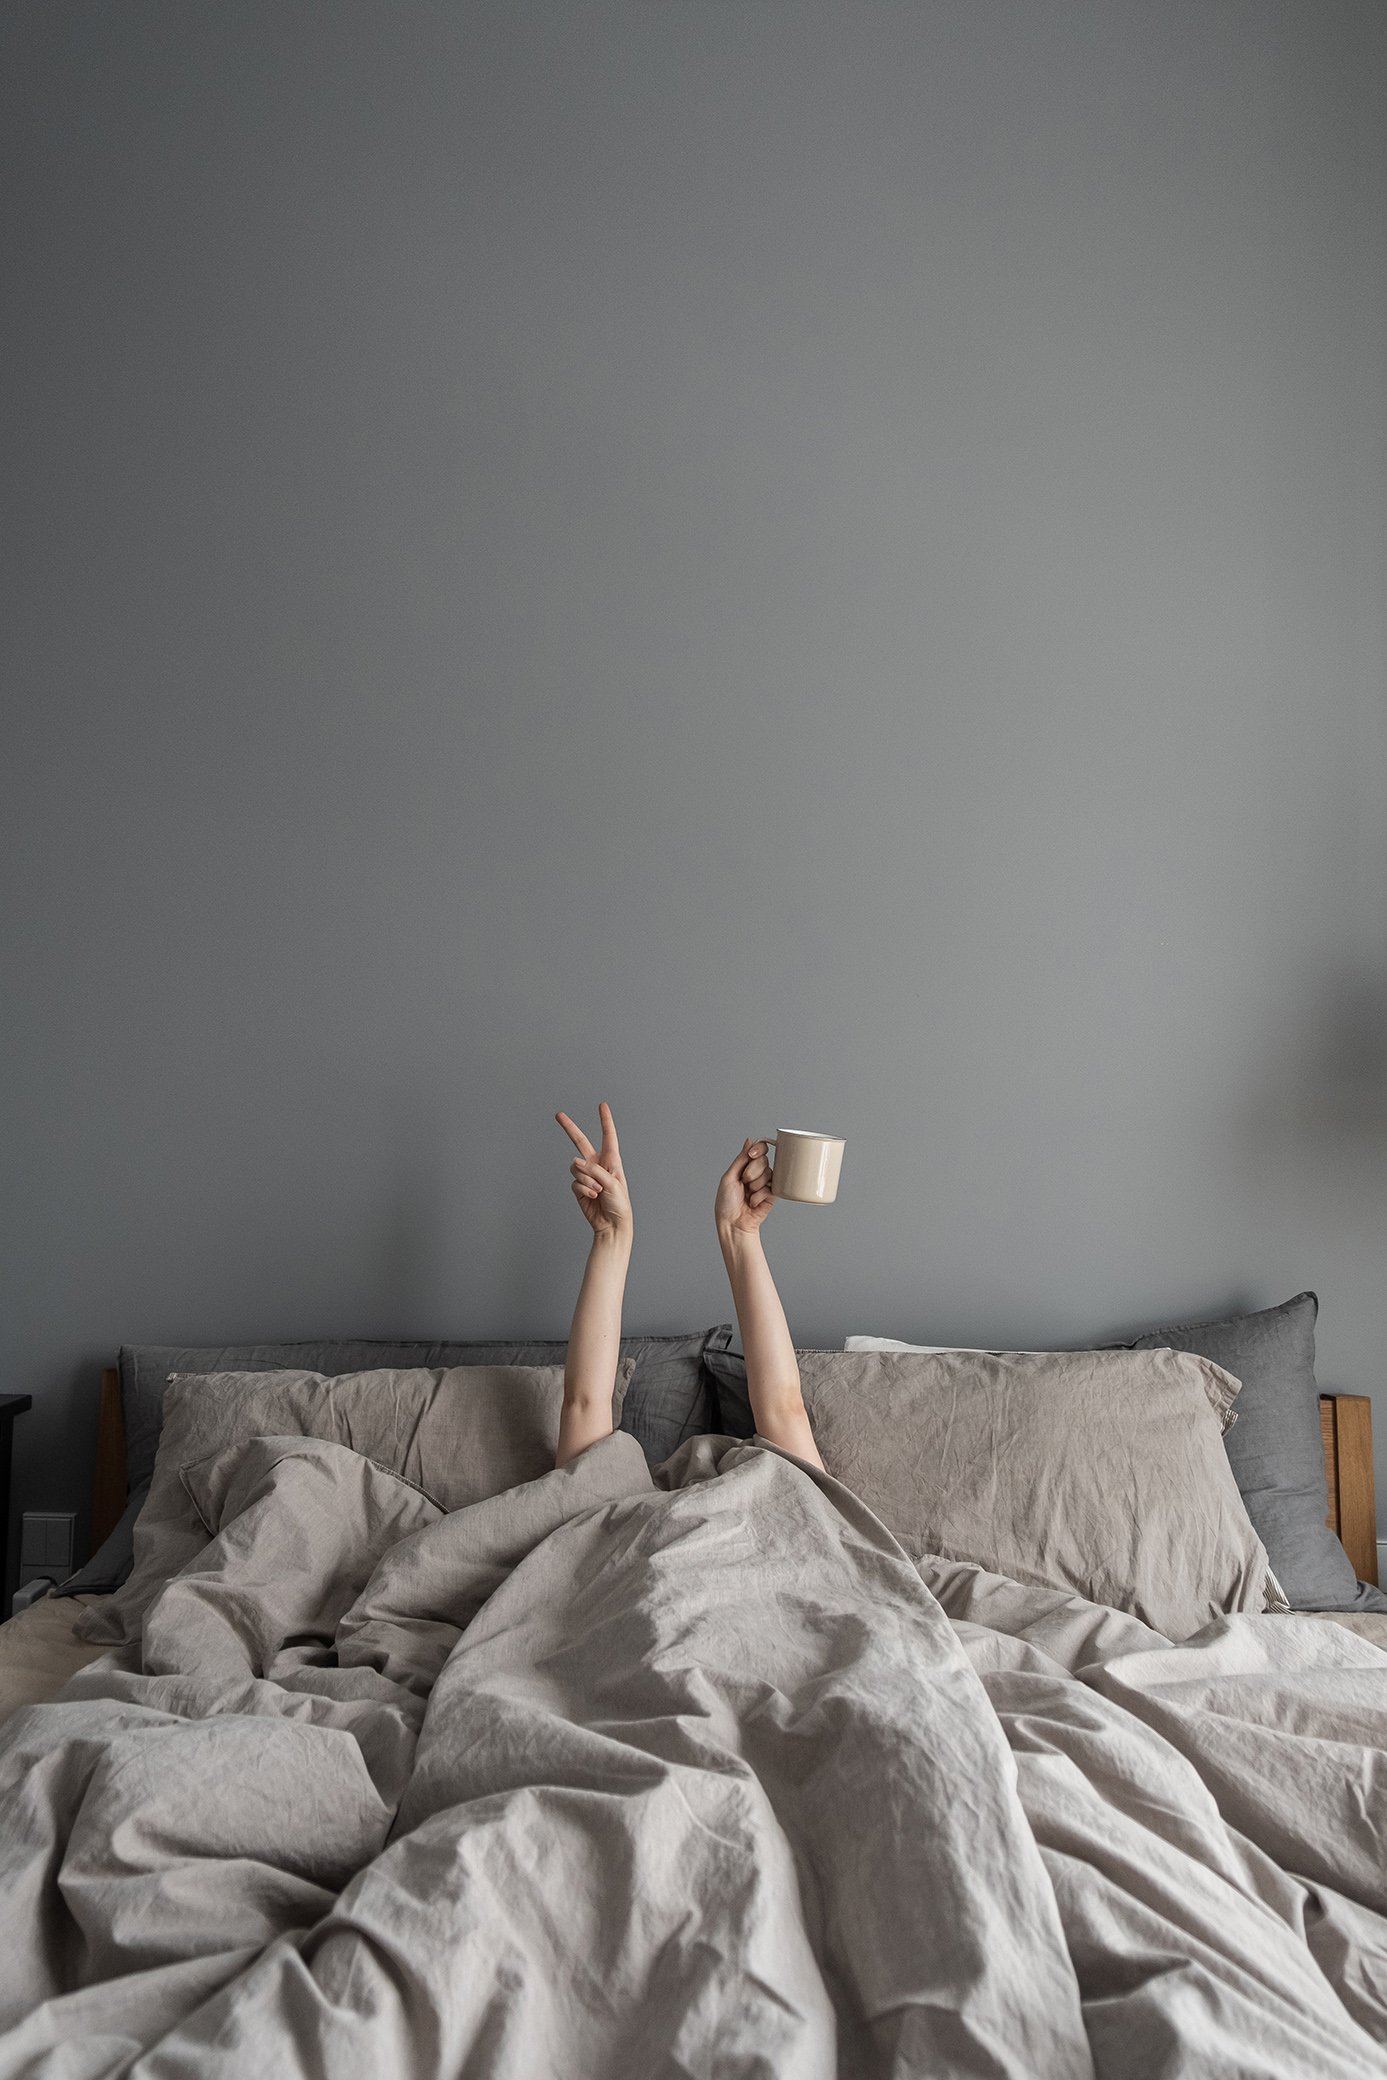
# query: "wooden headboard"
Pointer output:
{"type": "Point", "coordinates": [109, 1491]}
{"type": "Point", "coordinates": [1346, 1431]}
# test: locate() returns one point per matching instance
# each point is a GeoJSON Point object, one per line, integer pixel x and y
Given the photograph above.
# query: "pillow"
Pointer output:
{"type": "Point", "coordinates": [109, 1565]}
{"type": "Point", "coordinates": [1275, 1452]}
{"type": "Point", "coordinates": [461, 1435]}
{"type": "Point", "coordinates": [728, 1375]}
{"type": "Point", "coordinates": [890, 1343]}
{"type": "Point", "coordinates": [728, 1372]}
{"type": "Point", "coordinates": [1101, 1472]}
{"type": "Point", "coordinates": [670, 1398]}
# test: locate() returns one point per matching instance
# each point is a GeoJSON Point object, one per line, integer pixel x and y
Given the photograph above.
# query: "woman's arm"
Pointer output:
{"type": "Point", "coordinates": [594, 1340]}
{"type": "Point", "coordinates": [772, 1370]}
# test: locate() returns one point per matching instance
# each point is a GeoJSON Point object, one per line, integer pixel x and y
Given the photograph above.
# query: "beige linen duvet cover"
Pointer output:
{"type": "Point", "coordinates": [593, 1778]}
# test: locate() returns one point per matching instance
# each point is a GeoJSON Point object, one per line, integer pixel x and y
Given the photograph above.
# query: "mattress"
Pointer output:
{"type": "Point", "coordinates": [1369, 1625]}
{"type": "Point", "coordinates": [39, 1651]}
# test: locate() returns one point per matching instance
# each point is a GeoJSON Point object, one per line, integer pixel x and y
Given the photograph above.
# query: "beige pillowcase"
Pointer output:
{"type": "Point", "coordinates": [1102, 1472]}
{"type": "Point", "coordinates": [460, 1435]}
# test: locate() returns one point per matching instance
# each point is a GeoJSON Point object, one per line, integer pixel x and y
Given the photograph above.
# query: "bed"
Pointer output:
{"type": "Point", "coordinates": [612, 1770]}
{"type": "Point", "coordinates": [39, 1650]}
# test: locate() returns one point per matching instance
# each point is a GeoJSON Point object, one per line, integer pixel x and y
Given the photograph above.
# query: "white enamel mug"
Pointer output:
{"type": "Point", "coordinates": [806, 1166]}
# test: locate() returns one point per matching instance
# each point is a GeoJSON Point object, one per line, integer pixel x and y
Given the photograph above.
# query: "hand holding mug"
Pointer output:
{"type": "Point", "coordinates": [744, 1191]}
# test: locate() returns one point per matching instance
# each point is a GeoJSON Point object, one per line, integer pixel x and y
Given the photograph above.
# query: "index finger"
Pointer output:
{"type": "Point", "coordinates": [575, 1134]}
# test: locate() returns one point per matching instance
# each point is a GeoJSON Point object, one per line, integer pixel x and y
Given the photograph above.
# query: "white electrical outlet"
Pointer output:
{"type": "Point", "coordinates": [45, 1545]}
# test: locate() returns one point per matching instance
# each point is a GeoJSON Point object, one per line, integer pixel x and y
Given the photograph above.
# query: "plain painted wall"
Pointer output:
{"type": "Point", "coordinates": [803, 564]}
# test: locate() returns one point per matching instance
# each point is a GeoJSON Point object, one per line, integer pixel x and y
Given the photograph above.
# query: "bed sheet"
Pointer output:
{"type": "Point", "coordinates": [39, 1651]}
{"type": "Point", "coordinates": [1369, 1625]}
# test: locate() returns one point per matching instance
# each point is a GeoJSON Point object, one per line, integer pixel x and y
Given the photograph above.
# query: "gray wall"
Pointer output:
{"type": "Point", "coordinates": [773, 563]}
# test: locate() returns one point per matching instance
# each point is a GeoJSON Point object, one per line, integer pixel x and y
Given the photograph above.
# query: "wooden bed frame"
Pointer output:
{"type": "Point", "coordinates": [1346, 1432]}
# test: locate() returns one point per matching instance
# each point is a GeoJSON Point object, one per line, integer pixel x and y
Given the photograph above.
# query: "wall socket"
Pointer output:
{"type": "Point", "coordinates": [45, 1544]}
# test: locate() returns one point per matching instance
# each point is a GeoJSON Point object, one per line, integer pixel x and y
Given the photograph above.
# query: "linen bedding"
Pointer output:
{"type": "Point", "coordinates": [599, 1777]}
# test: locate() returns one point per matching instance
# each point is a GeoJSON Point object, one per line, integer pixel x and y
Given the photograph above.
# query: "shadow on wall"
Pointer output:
{"type": "Point", "coordinates": [1308, 1131]}
{"type": "Point", "coordinates": [1321, 1102]}
{"type": "Point", "coordinates": [1309, 1143]}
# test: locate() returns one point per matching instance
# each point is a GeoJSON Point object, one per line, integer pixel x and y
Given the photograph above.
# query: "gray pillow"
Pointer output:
{"type": "Point", "coordinates": [1274, 1448]}
{"type": "Point", "coordinates": [110, 1564]}
{"type": "Point", "coordinates": [460, 1434]}
{"type": "Point", "coordinates": [1100, 1472]}
{"type": "Point", "coordinates": [668, 1399]}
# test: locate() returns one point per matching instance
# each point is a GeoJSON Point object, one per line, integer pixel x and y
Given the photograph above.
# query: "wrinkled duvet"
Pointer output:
{"type": "Point", "coordinates": [599, 1778]}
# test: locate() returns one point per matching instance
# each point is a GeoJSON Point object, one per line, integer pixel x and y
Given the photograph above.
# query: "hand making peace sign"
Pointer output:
{"type": "Point", "coordinates": [599, 1182]}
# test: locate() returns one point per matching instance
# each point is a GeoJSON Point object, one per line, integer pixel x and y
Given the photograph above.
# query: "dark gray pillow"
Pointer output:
{"type": "Point", "coordinates": [1274, 1448]}
{"type": "Point", "coordinates": [111, 1562]}
{"type": "Point", "coordinates": [669, 1399]}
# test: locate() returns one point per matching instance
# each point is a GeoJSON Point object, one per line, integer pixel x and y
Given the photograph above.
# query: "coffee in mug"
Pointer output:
{"type": "Point", "coordinates": [806, 1166]}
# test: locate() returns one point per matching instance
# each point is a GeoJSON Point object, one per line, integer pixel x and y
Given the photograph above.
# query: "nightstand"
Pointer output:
{"type": "Point", "coordinates": [11, 1405]}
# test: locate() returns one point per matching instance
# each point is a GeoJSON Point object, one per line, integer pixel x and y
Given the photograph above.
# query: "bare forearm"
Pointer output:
{"type": "Point", "coordinates": [770, 1355]}
{"type": "Point", "coordinates": [772, 1369]}
{"type": "Point", "coordinates": [594, 1344]}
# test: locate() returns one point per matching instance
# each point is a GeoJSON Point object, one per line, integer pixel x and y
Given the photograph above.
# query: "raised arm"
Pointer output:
{"type": "Point", "coordinates": [772, 1370]}
{"type": "Point", "coordinates": [594, 1340]}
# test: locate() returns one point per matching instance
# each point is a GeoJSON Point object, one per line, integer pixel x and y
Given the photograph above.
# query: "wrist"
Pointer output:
{"type": "Point", "coordinates": [737, 1242]}
{"type": "Point", "coordinates": [613, 1242]}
